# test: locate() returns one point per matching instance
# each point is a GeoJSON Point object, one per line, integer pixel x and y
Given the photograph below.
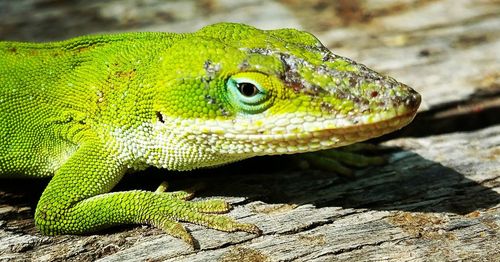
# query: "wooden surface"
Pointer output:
{"type": "Point", "coordinates": [437, 199]}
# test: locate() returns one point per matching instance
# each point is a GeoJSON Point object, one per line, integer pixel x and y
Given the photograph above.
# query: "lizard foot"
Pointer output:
{"type": "Point", "coordinates": [186, 194]}
{"type": "Point", "coordinates": [218, 222]}
{"type": "Point", "coordinates": [203, 213]}
{"type": "Point", "coordinates": [343, 160]}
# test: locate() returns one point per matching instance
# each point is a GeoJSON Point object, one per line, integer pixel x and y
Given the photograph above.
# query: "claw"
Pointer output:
{"type": "Point", "coordinates": [177, 230]}
{"type": "Point", "coordinates": [223, 223]}
{"type": "Point", "coordinates": [162, 187]}
{"type": "Point", "coordinates": [250, 228]}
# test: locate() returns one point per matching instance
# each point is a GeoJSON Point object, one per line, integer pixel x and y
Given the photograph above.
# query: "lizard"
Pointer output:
{"type": "Point", "coordinates": [86, 110]}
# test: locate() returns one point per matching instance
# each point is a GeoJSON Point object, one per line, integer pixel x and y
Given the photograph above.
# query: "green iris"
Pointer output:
{"type": "Point", "coordinates": [248, 95]}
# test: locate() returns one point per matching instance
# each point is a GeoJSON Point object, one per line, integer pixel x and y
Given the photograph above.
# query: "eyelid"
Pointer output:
{"type": "Point", "coordinates": [240, 80]}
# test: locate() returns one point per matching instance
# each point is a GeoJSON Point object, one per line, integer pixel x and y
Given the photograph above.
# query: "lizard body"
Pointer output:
{"type": "Point", "coordinates": [88, 109]}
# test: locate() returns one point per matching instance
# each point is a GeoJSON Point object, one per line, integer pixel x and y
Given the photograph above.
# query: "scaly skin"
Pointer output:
{"type": "Point", "coordinates": [87, 109]}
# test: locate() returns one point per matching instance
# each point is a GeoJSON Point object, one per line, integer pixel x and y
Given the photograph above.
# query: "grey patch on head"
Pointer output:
{"type": "Point", "coordinates": [344, 84]}
{"type": "Point", "coordinates": [327, 107]}
{"type": "Point", "coordinates": [341, 94]}
{"type": "Point", "coordinates": [210, 100]}
{"type": "Point", "coordinates": [213, 101]}
{"type": "Point", "coordinates": [320, 46]}
{"type": "Point", "coordinates": [293, 78]}
{"type": "Point", "coordinates": [261, 51]}
{"type": "Point", "coordinates": [244, 65]}
{"type": "Point", "coordinates": [211, 68]}
{"type": "Point", "coordinates": [315, 90]}
{"type": "Point", "coordinates": [206, 82]}
{"type": "Point", "coordinates": [224, 112]}
{"type": "Point", "coordinates": [328, 56]}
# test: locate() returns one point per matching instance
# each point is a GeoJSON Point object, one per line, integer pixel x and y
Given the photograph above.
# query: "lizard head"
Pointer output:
{"type": "Point", "coordinates": [237, 91]}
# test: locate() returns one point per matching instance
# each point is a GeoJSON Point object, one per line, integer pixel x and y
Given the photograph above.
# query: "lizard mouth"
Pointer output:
{"type": "Point", "coordinates": [290, 143]}
{"type": "Point", "coordinates": [363, 132]}
{"type": "Point", "coordinates": [251, 138]}
{"type": "Point", "coordinates": [249, 142]}
{"type": "Point", "coordinates": [387, 125]}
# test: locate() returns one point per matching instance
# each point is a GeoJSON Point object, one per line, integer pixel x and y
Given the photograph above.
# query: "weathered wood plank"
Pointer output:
{"type": "Point", "coordinates": [437, 199]}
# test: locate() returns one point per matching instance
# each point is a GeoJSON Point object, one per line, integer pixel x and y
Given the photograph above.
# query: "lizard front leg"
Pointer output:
{"type": "Point", "coordinates": [77, 201]}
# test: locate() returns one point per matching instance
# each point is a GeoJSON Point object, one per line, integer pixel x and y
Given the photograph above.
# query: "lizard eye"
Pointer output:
{"type": "Point", "coordinates": [247, 89]}
{"type": "Point", "coordinates": [247, 93]}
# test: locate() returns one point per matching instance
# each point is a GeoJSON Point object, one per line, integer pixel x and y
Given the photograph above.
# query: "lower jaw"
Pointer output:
{"type": "Point", "coordinates": [333, 138]}
{"type": "Point", "coordinates": [291, 143]}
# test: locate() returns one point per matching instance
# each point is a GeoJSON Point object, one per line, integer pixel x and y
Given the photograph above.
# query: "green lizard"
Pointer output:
{"type": "Point", "coordinates": [88, 109]}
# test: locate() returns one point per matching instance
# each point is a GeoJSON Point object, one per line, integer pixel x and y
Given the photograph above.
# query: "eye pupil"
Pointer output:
{"type": "Point", "coordinates": [248, 89]}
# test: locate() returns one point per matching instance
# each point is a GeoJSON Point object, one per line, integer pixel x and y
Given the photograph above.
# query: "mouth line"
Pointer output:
{"type": "Point", "coordinates": [309, 141]}
{"type": "Point", "coordinates": [391, 123]}
{"type": "Point", "coordinates": [350, 134]}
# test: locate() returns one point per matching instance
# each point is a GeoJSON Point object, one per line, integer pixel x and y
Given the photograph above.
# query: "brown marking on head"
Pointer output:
{"type": "Point", "coordinates": [126, 74]}
{"type": "Point", "coordinates": [82, 49]}
{"type": "Point", "coordinates": [327, 107]}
